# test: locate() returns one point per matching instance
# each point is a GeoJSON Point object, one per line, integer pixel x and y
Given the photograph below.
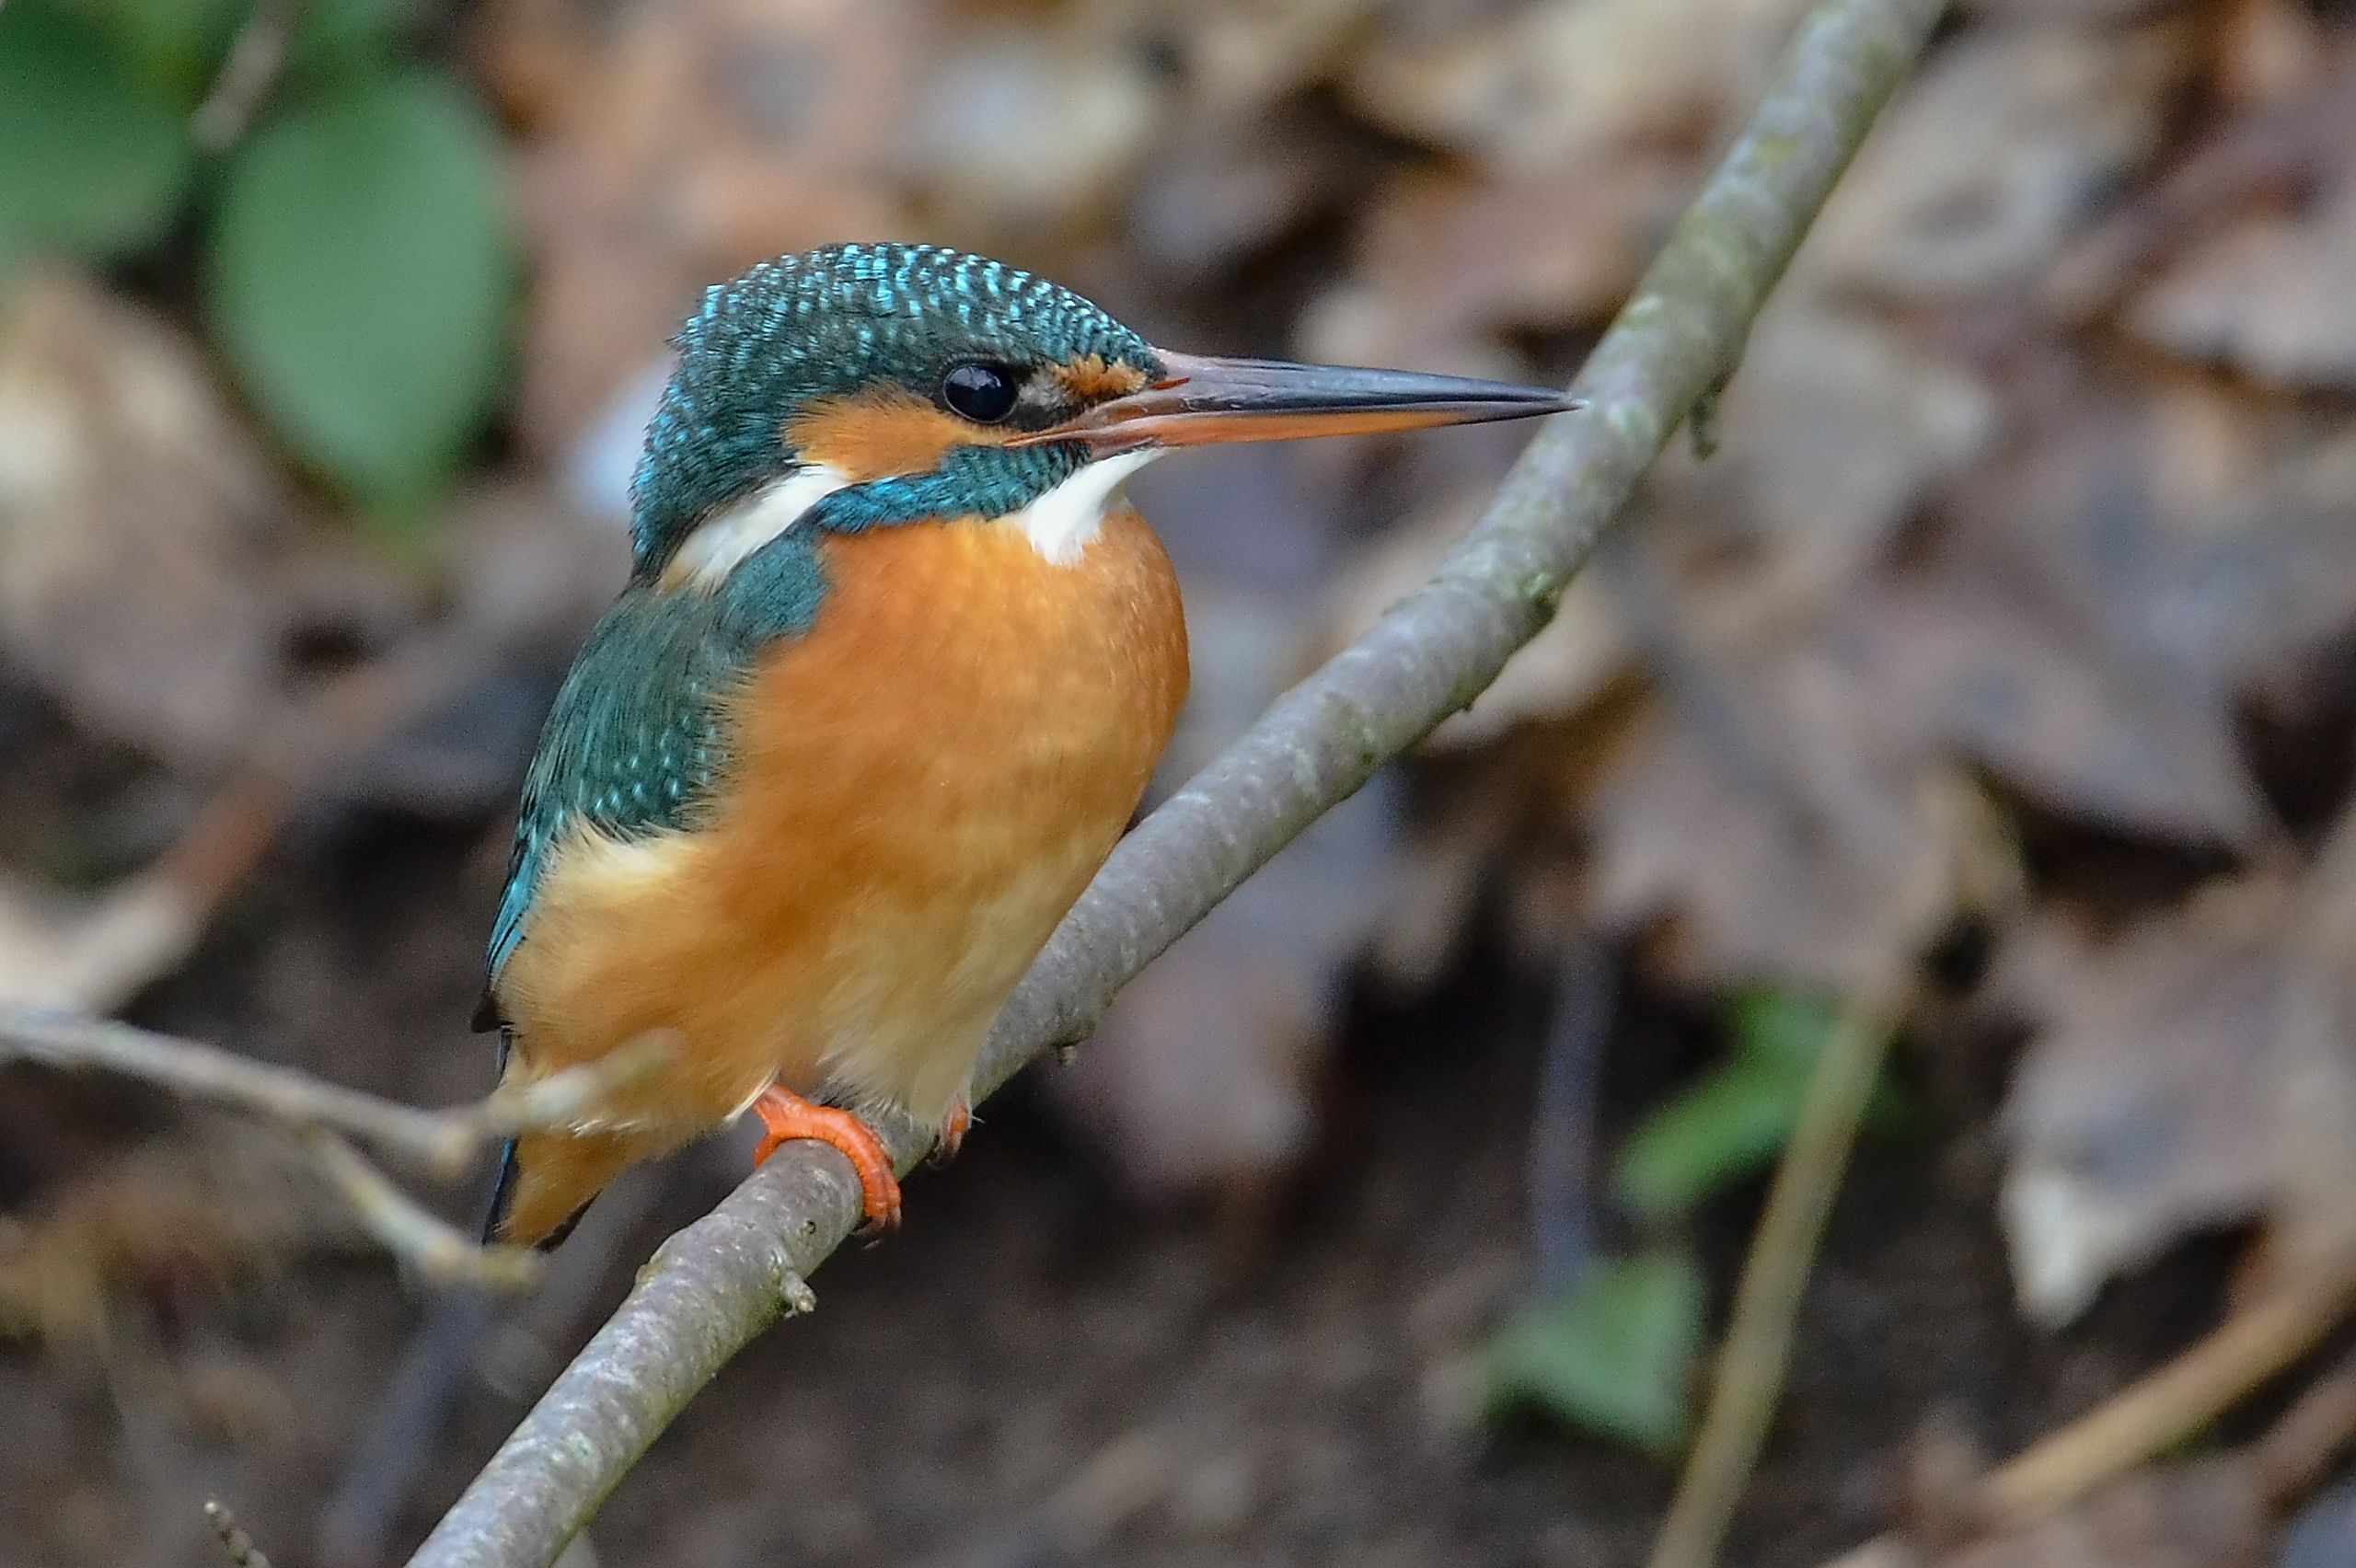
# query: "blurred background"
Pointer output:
{"type": "Point", "coordinates": [2003, 659]}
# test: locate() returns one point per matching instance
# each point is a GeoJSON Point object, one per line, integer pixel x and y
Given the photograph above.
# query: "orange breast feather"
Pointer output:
{"type": "Point", "coordinates": [920, 787]}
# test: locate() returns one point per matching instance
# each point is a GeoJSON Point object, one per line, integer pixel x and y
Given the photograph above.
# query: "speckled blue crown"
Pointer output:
{"type": "Point", "coordinates": [829, 322]}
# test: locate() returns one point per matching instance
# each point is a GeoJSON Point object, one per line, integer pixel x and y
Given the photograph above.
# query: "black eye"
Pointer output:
{"type": "Point", "coordinates": [982, 393]}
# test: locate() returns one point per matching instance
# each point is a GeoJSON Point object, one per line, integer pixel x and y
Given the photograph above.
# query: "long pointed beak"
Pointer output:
{"type": "Point", "coordinates": [1201, 398]}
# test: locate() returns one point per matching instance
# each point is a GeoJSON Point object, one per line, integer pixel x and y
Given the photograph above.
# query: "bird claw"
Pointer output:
{"type": "Point", "coordinates": [954, 1130]}
{"type": "Point", "coordinates": [785, 1116]}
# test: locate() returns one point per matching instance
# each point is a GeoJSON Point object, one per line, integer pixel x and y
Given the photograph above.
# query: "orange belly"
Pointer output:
{"type": "Point", "coordinates": [918, 790]}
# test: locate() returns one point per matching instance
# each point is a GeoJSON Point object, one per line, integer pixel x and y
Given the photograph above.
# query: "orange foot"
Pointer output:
{"type": "Point", "coordinates": [787, 1115]}
{"type": "Point", "coordinates": [953, 1131]}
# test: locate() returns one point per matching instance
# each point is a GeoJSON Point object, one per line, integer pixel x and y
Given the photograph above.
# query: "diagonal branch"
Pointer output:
{"type": "Point", "coordinates": [720, 1281]}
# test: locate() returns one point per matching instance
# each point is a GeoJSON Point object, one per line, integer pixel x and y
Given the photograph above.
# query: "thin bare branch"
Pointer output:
{"type": "Point", "coordinates": [2169, 1406]}
{"type": "Point", "coordinates": [255, 59]}
{"type": "Point", "coordinates": [444, 1143]}
{"type": "Point", "coordinates": [243, 1552]}
{"type": "Point", "coordinates": [719, 1281]}
{"type": "Point", "coordinates": [196, 1071]}
{"type": "Point", "coordinates": [1751, 1362]}
{"type": "Point", "coordinates": [440, 1255]}
{"type": "Point", "coordinates": [1559, 1171]}
{"type": "Point", "coordinates": [2162, 1409]}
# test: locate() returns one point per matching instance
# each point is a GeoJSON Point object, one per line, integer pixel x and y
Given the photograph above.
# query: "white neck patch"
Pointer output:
{"type": "Point", "coordinates": [1062, 523]}
{"type": "Point", "coordinates": [721, 541]}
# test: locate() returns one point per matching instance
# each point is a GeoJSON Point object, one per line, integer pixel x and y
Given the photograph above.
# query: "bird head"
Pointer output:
{"type": "Point", "coordinates": [865, 385]}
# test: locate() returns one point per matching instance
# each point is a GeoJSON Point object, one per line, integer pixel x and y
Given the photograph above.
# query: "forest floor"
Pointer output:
{"type": "Point", "coordinates": [1037, 1371]}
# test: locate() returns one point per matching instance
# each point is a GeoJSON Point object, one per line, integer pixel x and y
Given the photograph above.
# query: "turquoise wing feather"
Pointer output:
{"type": "Point", "coordinates": [636, 738]}
{"type": "Point", "coordinates": [630, 747]}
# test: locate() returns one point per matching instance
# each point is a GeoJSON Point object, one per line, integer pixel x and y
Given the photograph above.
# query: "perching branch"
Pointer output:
{"type": "Point", "coordinates": [719, 1281]}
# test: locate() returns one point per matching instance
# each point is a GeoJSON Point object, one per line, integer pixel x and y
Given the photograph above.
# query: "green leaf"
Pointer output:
{"type": "Point", "coordinates": [361, 281]}
{"type": "Point", "coordinates": [177, 45]}
{"type": "Point", "coordinates": [1614, 1356]}
{"type": "Point", "coordinates": [338, 36]}
{"type": "Point", "coordinates": [1735, 1120]}
{"type": "Point", "coordinates": [93, 162]}
{"type": "Point", "coordinates": [1790, 1027]}
{"type": "Point", "coordinates": [180, 45]}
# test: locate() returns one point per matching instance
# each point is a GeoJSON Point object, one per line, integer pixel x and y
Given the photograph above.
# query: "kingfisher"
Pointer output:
{"type": "Point", "coordinates": [893, 667]}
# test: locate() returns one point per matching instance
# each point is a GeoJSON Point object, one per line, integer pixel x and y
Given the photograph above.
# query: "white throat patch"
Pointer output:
{"type": "Point", "coordinates": [721, 541]}
{"type": "Point", "coordinates": [1062, 523]}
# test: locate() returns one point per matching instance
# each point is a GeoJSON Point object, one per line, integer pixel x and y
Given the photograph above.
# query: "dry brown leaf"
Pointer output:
{"type": "Point", "coordinates": [1994, 154]}
{"type": "Point", "coordinates": [2269, 297]}
{"type": "Point", "coordinates": [691, 141]}
{"type": "Point", "coordinates": [2149, 1102]}
{"type": "Point", "coordinates": [2289, 141]}
{"type": "Point", "coordinates": [2205, 1514]}
{"type": "Point", "coordinates": [92, 954]}
{"type": "Point", "coordinates": [2096, 611]}
{"type": "Point", "coordinates": [1447, 260]}
{"type": "Point", "coordinates": [1789, 842]}
{"type": "Point", "coordinates": [1830, 434]}
{"type": "Point", "coordinates": [205, 1206]}
{"type": "Point", "coordinates": [1012, 134]}
{"type": "Point", "coordinates": [1533, 86]}
{"type": "Point", "coordinates": [144, 546]}
{"type": "Point", "coordinates": [2200, 1071]}
{"type": "Point", "coordinates": [1978, 674]}
{"type": "Point", "coordinates": [2212, 526]}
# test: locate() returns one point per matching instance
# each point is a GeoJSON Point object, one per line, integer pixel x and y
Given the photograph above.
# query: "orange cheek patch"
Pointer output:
{"type": "Point", "coordinates": [1090, 377]}
{"type": "Point", "coordinates": [879, 435]}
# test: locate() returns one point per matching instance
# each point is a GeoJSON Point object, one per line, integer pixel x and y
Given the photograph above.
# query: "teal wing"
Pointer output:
{"type": "Point", "coordinates": [630, 746]}
{"type": "Point", "coordinates": [636, 740]}
{"type": "Point", "coordinates": [636, 737]}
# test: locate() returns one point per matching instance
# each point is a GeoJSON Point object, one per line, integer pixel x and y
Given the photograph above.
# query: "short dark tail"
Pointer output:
{"type": "Point", "coordinates": [510, 1154]}
{"type": "Point", "coordinates": [502, 1192]}
{"type": "Point", "coordinates": [502, 1198]}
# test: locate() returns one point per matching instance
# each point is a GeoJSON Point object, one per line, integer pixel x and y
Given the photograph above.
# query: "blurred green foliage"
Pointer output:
{"type": "Point", "coordinates": [362, 228]}
{"type": "Point", "coordinates": [1614, 1355]}
{"type": "Point", "coordinates": [176, 45]}
{"type": "Point", "coordinates": [94, 160]}
{"type": "Point", "coordinates": [357, 269]}
{"type": "Point", "coordinates": [1734, 1122]}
